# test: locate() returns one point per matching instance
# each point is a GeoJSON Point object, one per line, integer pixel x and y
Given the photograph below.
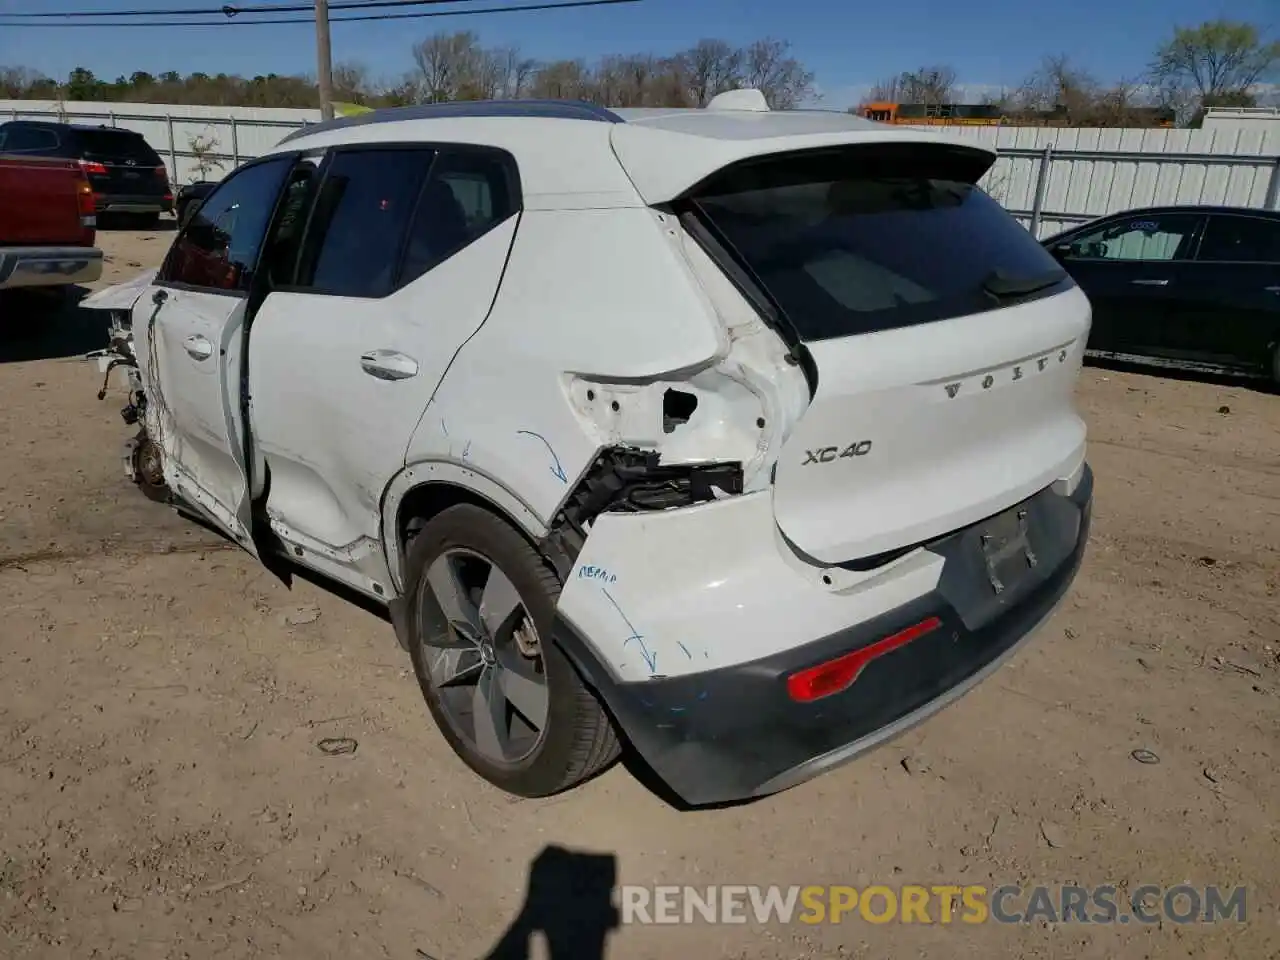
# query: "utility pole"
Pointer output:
{"type": "Point", "coordinates": [324, 60]}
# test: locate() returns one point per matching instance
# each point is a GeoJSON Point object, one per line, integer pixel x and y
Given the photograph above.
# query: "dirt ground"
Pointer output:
{"type": "Point", "coordinates": [162, 696]}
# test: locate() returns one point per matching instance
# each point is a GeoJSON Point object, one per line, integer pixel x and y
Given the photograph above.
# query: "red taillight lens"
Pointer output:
{"type": "Point", "coordinates": [92, 166]}
{"type": "Point", "coordinates": [814, 683]}
{"type": "Point", "coordinates": [162, 173]}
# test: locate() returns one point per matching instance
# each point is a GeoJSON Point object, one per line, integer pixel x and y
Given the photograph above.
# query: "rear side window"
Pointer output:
{"type": "Point", "coordinates": [28, 140]}
{"type": "Point", "coordinates": [1231, 239]}
{"type": "Point", "coordinates": [870, 238]}
{"type": "Point", "coordinates": [116, 146]}
{"type": "Point", "coordinates": [363, 210]}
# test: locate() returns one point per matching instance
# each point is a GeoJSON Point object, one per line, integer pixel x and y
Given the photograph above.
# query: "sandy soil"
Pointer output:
{"type": "Point", "coordinates": [161, 698]}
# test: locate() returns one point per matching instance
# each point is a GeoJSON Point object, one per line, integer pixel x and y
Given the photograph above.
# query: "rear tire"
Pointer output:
{"type": "Point", "coordinates": [465, 665]}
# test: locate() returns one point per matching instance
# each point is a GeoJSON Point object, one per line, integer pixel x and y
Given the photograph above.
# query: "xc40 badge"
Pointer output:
{"type": "Point", "coordinates": [859, 448]}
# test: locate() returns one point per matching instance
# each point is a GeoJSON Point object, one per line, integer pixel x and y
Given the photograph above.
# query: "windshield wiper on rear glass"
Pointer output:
{"type": "Point", "coordinates": [1002, 286]}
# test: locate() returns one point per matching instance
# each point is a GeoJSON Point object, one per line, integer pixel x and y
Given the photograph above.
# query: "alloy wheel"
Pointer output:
{"type": "Point", "coordinates": [484, 656]}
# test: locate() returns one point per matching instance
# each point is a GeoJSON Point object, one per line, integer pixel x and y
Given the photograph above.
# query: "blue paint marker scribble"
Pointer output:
{"type": "Point", "coordinates": [685, 649]}
{"type": "Point", "coordinates": [556, 468]}
{"type": "Point", "coordinates": [649, 658]}
{"type": "Point", "coordinates": [443, 427]}
{"type": "Point", "coordinates": [466, 451]}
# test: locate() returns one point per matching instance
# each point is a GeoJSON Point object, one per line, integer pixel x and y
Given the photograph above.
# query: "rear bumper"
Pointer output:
{"type": "Point", "coordinates": [131, 203]}
{"type": "Point", "coordinates": [733, 733]}
{"type": "Point", "coordinates": [48, 266]}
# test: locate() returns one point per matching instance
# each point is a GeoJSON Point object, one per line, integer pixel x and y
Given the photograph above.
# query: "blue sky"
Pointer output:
{"type": "Point", "coordinates": [847, 43]}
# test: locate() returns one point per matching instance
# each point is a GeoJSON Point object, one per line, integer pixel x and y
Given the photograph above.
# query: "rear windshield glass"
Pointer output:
{"type": "Point", "coordinates": [116, 145]}
{"type": "Point", "coordinates": [870, 238]}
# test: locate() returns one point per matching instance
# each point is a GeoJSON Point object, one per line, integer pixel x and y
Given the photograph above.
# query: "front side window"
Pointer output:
{"type": "Point", "coordinates": [364, 206]}
{"type": "Point", "coordinates": [218, 248]}
{"type": "Point", "coordinates": [1165, 236]}
{"type": "Point", "coordinates": [1235, 239]}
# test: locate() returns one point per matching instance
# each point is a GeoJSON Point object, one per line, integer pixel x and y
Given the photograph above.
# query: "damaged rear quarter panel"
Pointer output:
{"type": "Point", "coordinates": [596, 294]}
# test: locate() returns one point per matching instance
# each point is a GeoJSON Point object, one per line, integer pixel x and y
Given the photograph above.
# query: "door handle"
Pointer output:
{"type": "Point", "coordinates": [388, 365]}
{"type": "Point", "coordinates": [1150, 283]}
{"type": "Point", "coordinates": [1275, 289]}
{"type": "Point", "coordinates": [198, 347]}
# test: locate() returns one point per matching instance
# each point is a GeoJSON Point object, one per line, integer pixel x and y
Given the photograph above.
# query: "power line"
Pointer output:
{"type": "Point", "coordinates": [418, 15]}
{"type": "Point", "coordinates": [230, 10]}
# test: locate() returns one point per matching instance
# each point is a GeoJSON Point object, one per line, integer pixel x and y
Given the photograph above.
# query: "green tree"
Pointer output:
{"type": "Point", "coordinates": [1218, 63]}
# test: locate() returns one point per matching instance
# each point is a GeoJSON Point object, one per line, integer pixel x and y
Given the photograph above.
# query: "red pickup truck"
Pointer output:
{"type": "Point", "coordinates": [47, 224]}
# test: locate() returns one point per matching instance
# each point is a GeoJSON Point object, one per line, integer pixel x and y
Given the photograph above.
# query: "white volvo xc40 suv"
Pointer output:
{"type": "Point", "coordinates": [742, 437]}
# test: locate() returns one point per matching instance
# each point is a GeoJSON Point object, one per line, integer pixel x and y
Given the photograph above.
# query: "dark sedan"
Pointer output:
{"type": "Point", "coordinates": [1195, 287]}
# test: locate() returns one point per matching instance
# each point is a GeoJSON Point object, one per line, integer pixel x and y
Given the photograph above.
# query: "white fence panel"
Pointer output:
{"type": "Point", "coordinates": [1048, 178]}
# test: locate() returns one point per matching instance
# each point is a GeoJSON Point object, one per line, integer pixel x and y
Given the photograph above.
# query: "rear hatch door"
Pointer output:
{"type": "Point", "coordinates": [121, 162]}
{"type": "Point", "coordinates": [944, 340]}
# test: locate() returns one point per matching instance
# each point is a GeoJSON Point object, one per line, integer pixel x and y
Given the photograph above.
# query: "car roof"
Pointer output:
{"type": "Point", "coordinates": [569, 152]}
{"type": "Point", "coordinates": [73, 127]}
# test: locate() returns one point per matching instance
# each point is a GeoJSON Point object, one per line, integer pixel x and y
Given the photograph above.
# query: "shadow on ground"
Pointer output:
{"type": "Point", "coordinates": [49, 325]}
{"type": "Point", "coordinates": [569, 901]}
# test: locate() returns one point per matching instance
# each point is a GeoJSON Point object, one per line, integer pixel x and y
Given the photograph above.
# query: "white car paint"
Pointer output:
{"type": "Point", "coordinates": [555, 337]}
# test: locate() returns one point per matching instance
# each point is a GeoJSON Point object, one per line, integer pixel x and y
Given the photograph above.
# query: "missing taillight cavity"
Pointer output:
{"type": "Point", "coordinates": [625, 480]}
{"type": "Point", "coordinates": [834, 676]}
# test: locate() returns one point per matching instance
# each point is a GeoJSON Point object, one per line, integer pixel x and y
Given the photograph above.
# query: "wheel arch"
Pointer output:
{"type": "Point", "coordinates": [422, 491]}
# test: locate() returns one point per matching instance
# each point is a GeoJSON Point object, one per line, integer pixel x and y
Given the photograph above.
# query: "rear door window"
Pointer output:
{"type": "Point", "coordinates": [469, 193]}
{"type": "Point", "coordinates": [870, 238]}
{"type": "Point", "coordinates": [1238, 239]}
{"type": "Point", "coordinates": [362, 213]}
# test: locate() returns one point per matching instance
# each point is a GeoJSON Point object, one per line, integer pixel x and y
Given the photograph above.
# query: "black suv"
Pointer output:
{"type": "Point", "coordinates": [127, 175]}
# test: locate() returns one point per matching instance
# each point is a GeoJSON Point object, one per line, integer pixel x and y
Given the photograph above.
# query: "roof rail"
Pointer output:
{"type": "Point", "coordinates": [548, 109]}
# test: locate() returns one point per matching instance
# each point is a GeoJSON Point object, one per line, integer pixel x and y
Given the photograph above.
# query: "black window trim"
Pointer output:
{"type": "Point", "coordinates": [1233, 215]}
{"type": "Point", "coordinates": [1197, 234]}
{"type": "Point", "coordinates": [437, 148]}
{"type": "Point", "coordinates": [162, 281]}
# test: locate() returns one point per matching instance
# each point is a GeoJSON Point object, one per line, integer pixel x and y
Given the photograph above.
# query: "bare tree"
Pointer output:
{"type": "Point", "coordinates": [927, 85]}
{"type": "Point", "coordinates": [711, 67]}
{"type": "Point", "coordinates": [769, 67]}
{"type": "Point", "coordinates": [1060, 87]}
{"type": "Point", "coordinates": [1218, 63]}
{"type": "Point", "coordinates": [562, 80]}
{"type": "Point", "coordinates": [351, 83]}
